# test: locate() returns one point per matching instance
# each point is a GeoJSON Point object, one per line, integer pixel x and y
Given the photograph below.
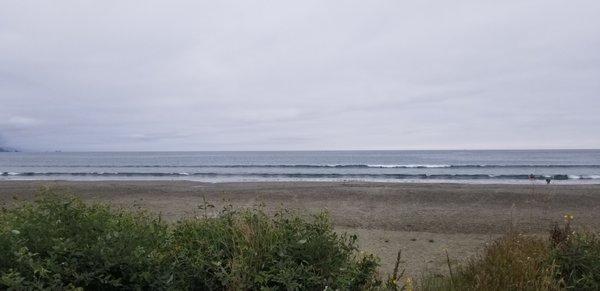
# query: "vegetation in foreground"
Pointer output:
{"type": "Point", "coordinates": [59, 242]}
{"type": "Point", "coordinates": [568, 260]}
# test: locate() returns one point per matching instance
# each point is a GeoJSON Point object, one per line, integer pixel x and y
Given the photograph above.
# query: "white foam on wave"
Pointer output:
{"type": "Point", "coordinates": [409, 166]}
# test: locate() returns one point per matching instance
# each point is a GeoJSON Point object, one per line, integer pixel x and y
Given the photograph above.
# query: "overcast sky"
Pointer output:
{"type": "Point", "coordinates": [299, 75]}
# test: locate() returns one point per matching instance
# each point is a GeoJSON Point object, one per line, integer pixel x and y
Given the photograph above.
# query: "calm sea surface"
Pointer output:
{"type": "Point", "coordinates": [562, 166]}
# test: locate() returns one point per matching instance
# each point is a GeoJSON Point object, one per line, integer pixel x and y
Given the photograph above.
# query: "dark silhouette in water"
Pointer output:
{"type": "Point", "coordinates": [548, 180]}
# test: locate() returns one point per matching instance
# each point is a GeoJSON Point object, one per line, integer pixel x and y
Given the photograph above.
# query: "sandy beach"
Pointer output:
{"type": "Point", "coordinates": [422, 220]}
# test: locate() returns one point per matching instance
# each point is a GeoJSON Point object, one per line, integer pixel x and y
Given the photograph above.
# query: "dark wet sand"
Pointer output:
{"type": "Point", "coordinates": [420, 219]}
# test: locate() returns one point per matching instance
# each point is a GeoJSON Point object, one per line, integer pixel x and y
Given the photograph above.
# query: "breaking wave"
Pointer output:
{"type": "Point", "coordinates": [380, 166]}
{"type": "Point", "coordinates": [308, 175]}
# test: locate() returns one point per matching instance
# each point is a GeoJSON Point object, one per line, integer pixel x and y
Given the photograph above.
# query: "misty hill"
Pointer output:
{"type": "Point", "coordinates": [7, 150]}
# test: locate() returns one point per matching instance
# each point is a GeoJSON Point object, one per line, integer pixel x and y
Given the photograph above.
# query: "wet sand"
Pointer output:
{"type": "Point", "coordinates": [420, 219]}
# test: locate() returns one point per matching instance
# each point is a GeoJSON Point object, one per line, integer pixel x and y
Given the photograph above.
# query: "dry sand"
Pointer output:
{"type": "Point", "coordinates": [420, 219]}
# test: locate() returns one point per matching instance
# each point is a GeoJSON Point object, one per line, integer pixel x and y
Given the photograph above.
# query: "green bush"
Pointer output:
{"type": "Point", "coordinates": [577, 255]}
{"type": "Point", "coordinates": [247, 250]}
{"type": "Point", "coordinates": [59, 242]}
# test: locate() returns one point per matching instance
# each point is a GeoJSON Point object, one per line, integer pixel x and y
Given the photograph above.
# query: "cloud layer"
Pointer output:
{"type": "Point", "coordinates": [304, 75]}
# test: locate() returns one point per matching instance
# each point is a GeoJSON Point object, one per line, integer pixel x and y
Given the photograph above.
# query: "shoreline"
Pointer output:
{"type": "Point", "coordinates": [492, 182]}
{"type": "Point", "coordinates": [386, 216]}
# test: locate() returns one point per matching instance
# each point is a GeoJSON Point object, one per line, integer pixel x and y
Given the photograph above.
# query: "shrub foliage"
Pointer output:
{"type": "Point", "coordinates": [59, 242]}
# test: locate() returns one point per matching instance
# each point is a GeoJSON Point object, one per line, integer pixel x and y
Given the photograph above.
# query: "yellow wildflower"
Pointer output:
{"type": "Point", "coordinates": [408, 284]}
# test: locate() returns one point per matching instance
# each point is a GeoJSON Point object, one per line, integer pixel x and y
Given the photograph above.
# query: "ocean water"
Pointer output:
{"type": "Point", "coordinates": [562, 166]}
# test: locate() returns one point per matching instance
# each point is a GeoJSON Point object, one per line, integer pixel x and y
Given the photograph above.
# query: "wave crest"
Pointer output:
{"type": "Point", "coordinates": [311, 175]}
{"type": "Point", "coordinates": [392, 166]}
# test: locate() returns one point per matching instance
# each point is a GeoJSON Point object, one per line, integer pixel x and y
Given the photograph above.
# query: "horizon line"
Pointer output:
{"type": "Point", "coordinates": [328, 150]}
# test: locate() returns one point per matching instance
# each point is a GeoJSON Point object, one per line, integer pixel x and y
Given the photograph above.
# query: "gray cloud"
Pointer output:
{"type": "Point", "coordinates": [262, 75]}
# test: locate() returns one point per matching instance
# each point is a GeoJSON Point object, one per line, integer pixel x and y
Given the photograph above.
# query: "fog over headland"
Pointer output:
{"type": "Point", "coordinates": [302, 75]}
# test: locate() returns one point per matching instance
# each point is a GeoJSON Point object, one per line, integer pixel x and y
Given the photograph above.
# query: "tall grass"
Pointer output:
{"type": "Point", "coordinates": [514, 262]}
{"type": "Point", "coordinates": [577, 256]}
{"type": "Point", "coordinates": [567, 260]}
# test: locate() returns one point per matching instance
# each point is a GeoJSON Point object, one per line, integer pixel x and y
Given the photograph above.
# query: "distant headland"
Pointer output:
{"type": "Point", "coordinates": [7, 150]}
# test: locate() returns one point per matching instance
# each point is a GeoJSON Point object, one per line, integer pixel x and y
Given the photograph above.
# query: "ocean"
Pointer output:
{"type": "Point", "coordinates": [461, 166]}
